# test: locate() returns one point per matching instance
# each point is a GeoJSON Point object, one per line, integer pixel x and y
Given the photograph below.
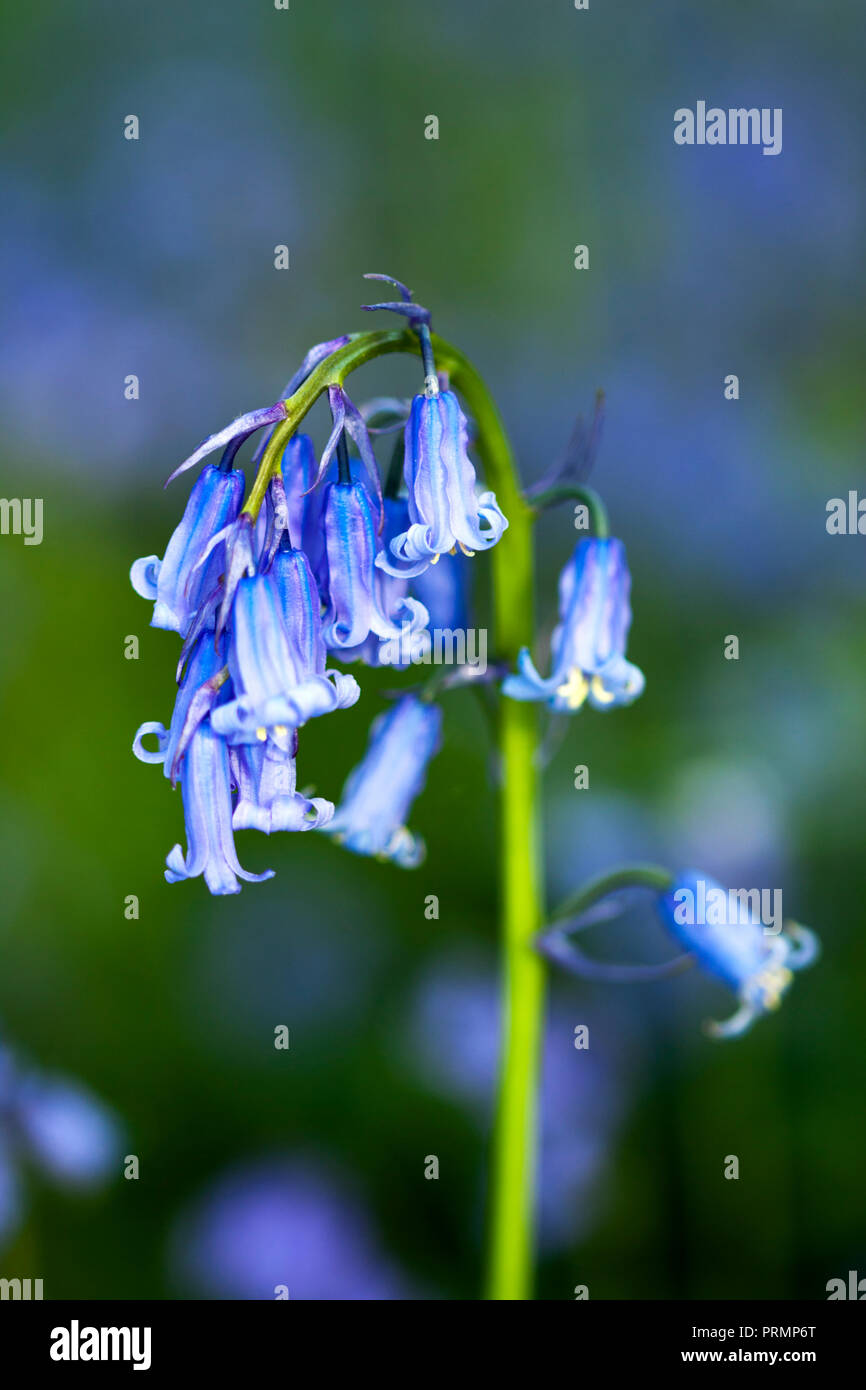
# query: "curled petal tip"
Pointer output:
{"type": "Point", "coordinates": [735, 1026]}
{"type": "Point", "coordinates": [807, 947]}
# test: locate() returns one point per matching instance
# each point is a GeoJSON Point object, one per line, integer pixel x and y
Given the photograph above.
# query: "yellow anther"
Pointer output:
{"type": "Point", "coordinates": [466, 551]}
{"type": "Point", "coordinates": [603, 696]}
{"type": "Point", "coordinates": [261, 734]}
{"type": "Point", "coordinates": [575, 690]}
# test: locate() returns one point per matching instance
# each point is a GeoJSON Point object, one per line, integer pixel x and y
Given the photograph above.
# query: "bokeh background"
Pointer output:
{"type": "Point", "coordinates": [306, 127]}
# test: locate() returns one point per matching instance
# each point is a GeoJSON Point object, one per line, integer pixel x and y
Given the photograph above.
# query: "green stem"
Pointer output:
{"type": "Point", "coordinates": [512, 1195]}
{"type": "Point", "coordinates": [631, 876]}
{"type": "Point", "coordinates": [569, 492]}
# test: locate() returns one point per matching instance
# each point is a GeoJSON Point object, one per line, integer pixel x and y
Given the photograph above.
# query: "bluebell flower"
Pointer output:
{"type": "Point", "coordinates": [206, 783]}
{"type": "Point", "coordinates": [277, 657]}
{"type": "Point", "coordinates": [265, 776]}
{"type": "Point", "coordinates": [377, 797]}
{"type": "Point", "coordinates": [299, 470]}
{"type": "Point", "coordinates": [55, 1124]}
{"type": "Point", "coordinates": [284, 1228]}
{"type": "Point", "coordinates": [391, 595]}
{"type": "Point", "coordinates": [444, 509]}
{"type": "Point", "coordinates": [357, 603]}
{"type": "Point", "coordinates": [206, 662]}
{"type": "Point", "coordinates": [729, 941]}
{"type": "Point", "coordinates": [179, 582]}
{"type": "Point", "coordinates": [588, 646]}
{"type": "Point", "coordinates": [189, 748]}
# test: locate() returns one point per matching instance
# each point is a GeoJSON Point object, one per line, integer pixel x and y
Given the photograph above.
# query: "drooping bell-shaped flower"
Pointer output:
{"type": "Point", "coordinates": [207, 805]}
{"type": "Point", "coordinates": [377, 797]}
{"type": "Point", "coordinates": [299, 469]}
{"type": "Point", "coordinates": [588, 646]}
{"type": "Point", "coordinates": [199, 688]}
{"type": "Point", "coordinates": [357, 604]}
{"type": "Point", "coordinates": [179, 582]}
{"type": "Point", "coordinates": [724, 931]}
{"type": "Point", "coordinates": [445, 508]}
{"type": "Point", "coordinates": [391, 595]}
{"type": "Point", "coordinates": [266, 779]}
{"type": "Point", "coordinates": [276, 655]}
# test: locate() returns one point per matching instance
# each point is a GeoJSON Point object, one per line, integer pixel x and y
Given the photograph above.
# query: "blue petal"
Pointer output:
{"type": "Point", "coordinates": [208, 813]}
{"type": "Point", "coordinates": [144, 576]}
{"type": "Point", "coordinates": [183, 579]}
{"type": "Point", "coordinates": [371, 817]}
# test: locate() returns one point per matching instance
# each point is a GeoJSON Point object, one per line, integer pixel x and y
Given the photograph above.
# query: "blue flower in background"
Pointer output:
{"type": "Point", "coordinates": [730, 942]}
{"type": "Point", "coordinates": [56, 1125]}
{"type": "Point", "coordinates": [588, 646]}
{"type": "Point", "coordinates": [355, 600]}
{"type": "Point", "coordinates": [377, 797]}
{"type": "Point", "coordinates": [178, 583]}
{"type": "Point", "coordinates": [444, 509]}
{"type": "Point", "coordinates": [283, 1228]}
{"type": "Point", "coordinates": [453, 1042]}
{"type": "Point", "coordinates": [207, 805]}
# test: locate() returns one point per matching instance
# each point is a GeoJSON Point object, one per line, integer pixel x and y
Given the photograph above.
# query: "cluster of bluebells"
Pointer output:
{"type": "Point", "coordinates": [54, 1126]}
{"type": "Point", "coordinates": [330, 569]}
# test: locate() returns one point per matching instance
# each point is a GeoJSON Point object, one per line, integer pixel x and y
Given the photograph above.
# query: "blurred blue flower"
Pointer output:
{"type": "Point", "coordinates": [180, 582]}
{"type": "Point", "coordinates": [588, 646]}
{"type": "Point", "coordinates": [377, 797]}
{"type": "Point", "coordinates": [729, 940]}
{"type": "Point", "coordinates": [56, 1125]}
{"type": "Point", "coordinates": [283, 1225]}
{"type": "Point", "coordinates": [454, 1036]}
{"type": "Point", "coordinates": [444, 509]}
